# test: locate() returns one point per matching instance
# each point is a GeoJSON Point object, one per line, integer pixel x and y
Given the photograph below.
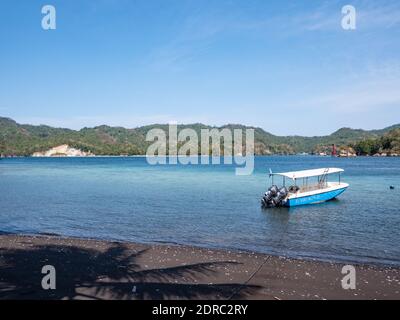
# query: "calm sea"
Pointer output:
{"type": "Point", "coordinates": [205, 205]}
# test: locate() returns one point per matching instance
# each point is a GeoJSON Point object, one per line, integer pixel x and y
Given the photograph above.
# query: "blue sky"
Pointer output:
{"type": "Point", "coordinates": [286, 66]}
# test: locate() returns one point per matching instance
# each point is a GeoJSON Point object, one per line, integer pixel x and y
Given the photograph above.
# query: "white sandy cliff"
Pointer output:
{"type": "Point", "coordinates": [62, 151]}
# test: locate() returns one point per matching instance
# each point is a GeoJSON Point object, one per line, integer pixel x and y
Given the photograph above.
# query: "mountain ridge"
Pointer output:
{"type": "Point", "coordinates": [25, 139]}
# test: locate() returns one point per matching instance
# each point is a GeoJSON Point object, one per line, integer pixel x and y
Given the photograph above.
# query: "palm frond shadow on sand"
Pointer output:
{"type": "Point", "coordinates": [110, 274]}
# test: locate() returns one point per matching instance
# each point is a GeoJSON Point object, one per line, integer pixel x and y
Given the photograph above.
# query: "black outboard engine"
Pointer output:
{"type": "Point", "coordinates": [274, 190]}
{"type": "Point", "coordinates": [283, 191]}
{"type": "Point", "coordinates": [281, 194]}
{"type": "Point", "coordinates": [274, 197]}
{"type": "Point", "coordinates": [266, 199]}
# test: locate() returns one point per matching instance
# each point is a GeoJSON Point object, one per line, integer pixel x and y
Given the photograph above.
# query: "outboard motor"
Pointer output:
{"type": "Point", "coordinates": [273, 197]}
{"type": "Point", "coordinates": [268, 195]}
{"type": "Point", "coordinates": [281, 195]}
{"type": "Point", "coordinates": [274, 190]}
{"type": "Point", "coordinates": [263, 202]}
{"type": "Point", "coordinates": [266, 199]}
{"type": "Point", "coordinates": [283, 191]}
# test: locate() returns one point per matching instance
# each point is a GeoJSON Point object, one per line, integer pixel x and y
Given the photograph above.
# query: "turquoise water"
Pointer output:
{"type": "Point", "coordinates": [205, 205]}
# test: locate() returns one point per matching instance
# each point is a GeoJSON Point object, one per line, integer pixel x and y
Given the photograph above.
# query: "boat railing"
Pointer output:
{"type": "Point", "coordinates": [312, 187]}
{"type": "Point", "coordinates": [317, 186]}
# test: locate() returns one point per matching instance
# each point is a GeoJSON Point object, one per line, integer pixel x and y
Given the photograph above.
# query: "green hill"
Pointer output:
{"type": "Point", "coordinates": [388, 143]}
{"type": "Point", "coordinates": [23, 140]}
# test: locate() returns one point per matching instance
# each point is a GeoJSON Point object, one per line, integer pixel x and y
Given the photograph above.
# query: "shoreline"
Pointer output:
{"type": "Point", "coordinates": [100, 269]}
{"type": "Point", "coordinates": [332, 260]}
{"type": "Point", "coordinates": [183, 156]}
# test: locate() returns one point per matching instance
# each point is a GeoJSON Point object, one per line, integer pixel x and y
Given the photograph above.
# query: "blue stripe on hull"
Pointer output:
{"type": "Point", "coordinates": [315, 198]}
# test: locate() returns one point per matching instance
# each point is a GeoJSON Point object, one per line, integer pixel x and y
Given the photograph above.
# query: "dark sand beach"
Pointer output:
{"type": "Point", "coordinates": [92, 269]}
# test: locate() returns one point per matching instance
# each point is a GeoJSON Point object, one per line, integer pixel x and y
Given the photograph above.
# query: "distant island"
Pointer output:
{"type": "Point", "coordinates": [30, 140]}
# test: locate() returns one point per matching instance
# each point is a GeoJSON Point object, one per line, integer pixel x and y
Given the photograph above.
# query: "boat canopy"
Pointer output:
{"type": "Point", "coordinates": [308, 173]}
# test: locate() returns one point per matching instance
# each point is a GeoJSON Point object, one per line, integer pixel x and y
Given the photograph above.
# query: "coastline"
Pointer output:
{"type": "Point", "coordinates": [98, 269]}
{"type": "Point", "coordinates": [183, 156]}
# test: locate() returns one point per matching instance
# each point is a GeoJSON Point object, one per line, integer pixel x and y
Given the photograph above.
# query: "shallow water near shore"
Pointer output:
{"type": "Point", "coordinates": [127, 199]}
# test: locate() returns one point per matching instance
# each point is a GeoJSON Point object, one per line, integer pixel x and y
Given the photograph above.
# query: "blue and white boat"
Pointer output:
{"type": "Point", "coordinates": [308, 187]}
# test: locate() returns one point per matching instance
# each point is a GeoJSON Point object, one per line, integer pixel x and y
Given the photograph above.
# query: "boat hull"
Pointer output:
{"type": "Point", "coordinates": [314, 198]}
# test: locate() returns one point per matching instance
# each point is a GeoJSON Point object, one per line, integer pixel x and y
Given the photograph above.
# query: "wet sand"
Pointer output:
{"type": "Point", "coordinates": [93, 269]}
